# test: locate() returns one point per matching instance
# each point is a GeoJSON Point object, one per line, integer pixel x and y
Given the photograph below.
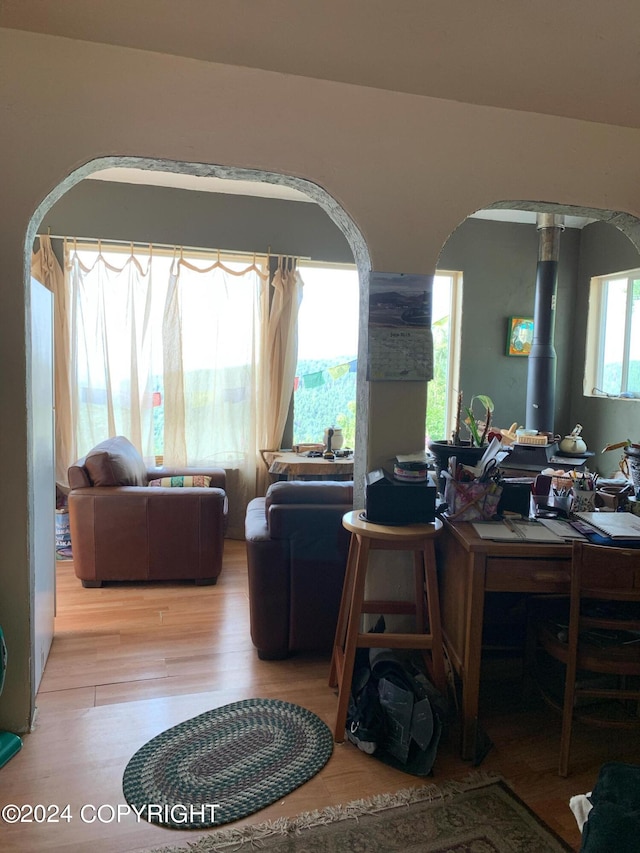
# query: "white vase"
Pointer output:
{"type": "Point", "coordinates": [336, 439]}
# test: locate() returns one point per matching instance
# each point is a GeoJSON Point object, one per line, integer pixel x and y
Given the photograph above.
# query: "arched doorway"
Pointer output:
{"type": "Point", "coordinates": [498, 248]}
{"type": "Point", "coordinates": [260, 179]}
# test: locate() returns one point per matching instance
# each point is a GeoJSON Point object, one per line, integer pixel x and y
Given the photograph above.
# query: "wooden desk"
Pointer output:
{"type": "Point", "coordinates": [468, 567]}
{"type": "Point", "coordinates": [298, 466]}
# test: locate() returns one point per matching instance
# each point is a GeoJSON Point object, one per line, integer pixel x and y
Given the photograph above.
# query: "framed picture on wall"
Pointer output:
{"type": "Point", "coordinates": [519, 335]}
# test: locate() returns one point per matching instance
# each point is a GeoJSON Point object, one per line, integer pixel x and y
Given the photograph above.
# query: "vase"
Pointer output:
{"type": "Point", "coordinates": [337, 438]}
{"type": "Point", "coordinates": [632, 465]}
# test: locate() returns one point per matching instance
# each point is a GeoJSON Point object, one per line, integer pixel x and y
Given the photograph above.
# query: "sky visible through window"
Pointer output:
{"type": "Point", "coordinates": [328, 320]}
{"type": "Point", "coordinates": [328, 339]}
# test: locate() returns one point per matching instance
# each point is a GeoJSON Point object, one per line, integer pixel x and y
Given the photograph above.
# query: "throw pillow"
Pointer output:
{"type": "Point", "coordinates": [116, 462]}
{"type": "Point", "coordinates": [182, 482]}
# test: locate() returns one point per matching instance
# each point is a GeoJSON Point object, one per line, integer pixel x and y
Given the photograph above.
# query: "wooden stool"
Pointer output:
{"type": "Point", "coordinates": [366, 537]}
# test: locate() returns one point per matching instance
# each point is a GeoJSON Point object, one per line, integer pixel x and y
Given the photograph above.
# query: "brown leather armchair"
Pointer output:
{"type": "Point", "coordinates": [296, 558]}
{"type": "Point", "coordinates": [123, 529]}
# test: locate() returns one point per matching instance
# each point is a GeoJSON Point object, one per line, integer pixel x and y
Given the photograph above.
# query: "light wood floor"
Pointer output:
{"type": "Point", "coordinates": [129, 661]}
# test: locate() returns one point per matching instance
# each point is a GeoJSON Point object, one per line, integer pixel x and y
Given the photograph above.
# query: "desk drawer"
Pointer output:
{"type": "Point", "coordinates": [531, 575]}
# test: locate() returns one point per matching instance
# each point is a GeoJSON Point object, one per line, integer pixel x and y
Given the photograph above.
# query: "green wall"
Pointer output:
{"type": "Point", "coordinates": [499, 262]}
{"type": "Point", "coordinates": [603, 249]}
{"type": "Point", "coordinates": [147, 214]}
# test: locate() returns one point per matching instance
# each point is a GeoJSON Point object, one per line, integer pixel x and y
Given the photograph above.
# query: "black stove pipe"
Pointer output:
{"type": "Point", "coordinates": [541, 376]}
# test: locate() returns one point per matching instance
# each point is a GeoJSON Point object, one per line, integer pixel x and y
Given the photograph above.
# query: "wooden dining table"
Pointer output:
{"type": "Point", "coordinates": [300, 466]}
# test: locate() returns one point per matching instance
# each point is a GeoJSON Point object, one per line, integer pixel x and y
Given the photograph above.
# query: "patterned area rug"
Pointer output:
{"type": "Point", "coordinates": [226, 764]}
{"type": "Point", "coordinates": [478, 815]}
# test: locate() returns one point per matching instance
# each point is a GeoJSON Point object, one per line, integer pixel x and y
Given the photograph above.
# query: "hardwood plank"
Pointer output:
{"type": "Point", "coordinates": [128, 661]}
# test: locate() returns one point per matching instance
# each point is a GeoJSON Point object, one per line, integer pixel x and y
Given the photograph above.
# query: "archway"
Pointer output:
{"type": "Point", "coordinates": [314, 192]}
{"type": "Point", "coordinates": [503, 275]}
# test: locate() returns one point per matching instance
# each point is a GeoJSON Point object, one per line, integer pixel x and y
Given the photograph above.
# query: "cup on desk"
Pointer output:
{"type": "Point", "coordinates": [584, 500]}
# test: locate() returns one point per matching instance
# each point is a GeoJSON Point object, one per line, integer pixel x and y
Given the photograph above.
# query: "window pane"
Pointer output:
{"type": "Point", "coordinates": [438, 387]}
{"type": "Point", "coordinates": [634, 341]}
{"type": "Point", "coordinates": [615, 308]}
{"type": "Point", "coordinates": [325, 389]}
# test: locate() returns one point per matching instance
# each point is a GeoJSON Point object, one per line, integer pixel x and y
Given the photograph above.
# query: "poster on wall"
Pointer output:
{"type": "Point", "coordinates": [400, 338]}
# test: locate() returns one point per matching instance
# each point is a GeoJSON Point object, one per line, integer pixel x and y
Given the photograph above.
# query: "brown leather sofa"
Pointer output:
{"type": "Point", "coordinates": [296, 556]}
{"type": "Point", "coordinates": [123, 529]}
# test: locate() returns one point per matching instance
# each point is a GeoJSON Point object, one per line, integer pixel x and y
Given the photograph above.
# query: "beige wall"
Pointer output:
{"type": "Point", "coordinates": [407, 170]}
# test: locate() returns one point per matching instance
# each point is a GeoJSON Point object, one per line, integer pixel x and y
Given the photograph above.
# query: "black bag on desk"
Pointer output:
{"type": "Point", "coordinates": [394, 713]}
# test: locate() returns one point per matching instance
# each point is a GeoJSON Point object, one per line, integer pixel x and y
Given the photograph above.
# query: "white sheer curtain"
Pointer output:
{"type": "Point", "coordinates": [111, 344]}
{"type": "Point", "coordinates": [165, 350]}
{"type": "Point", "coordinates": [46, 268]}
{"type": "Point", "coordinates": [279, 356]}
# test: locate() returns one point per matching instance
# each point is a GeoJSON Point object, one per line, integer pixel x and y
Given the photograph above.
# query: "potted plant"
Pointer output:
{"type": "Point", "coordinates": [467, 451]}
{"type": "Point", "coordinates": [630, 463]}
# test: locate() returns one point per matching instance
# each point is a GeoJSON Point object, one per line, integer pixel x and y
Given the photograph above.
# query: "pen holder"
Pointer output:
{"type": "Point", "coordinates": [584, 500]}
{"type": "Point", "coordinates": [544, 506]}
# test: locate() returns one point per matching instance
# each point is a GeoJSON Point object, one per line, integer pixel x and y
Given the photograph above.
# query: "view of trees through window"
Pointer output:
{"type": "Point", "coordinates": [441, 386]}
{"type": "Point", "coordinates": [325, 383]}
{"type": "Point", "coordinates": [619, 339]}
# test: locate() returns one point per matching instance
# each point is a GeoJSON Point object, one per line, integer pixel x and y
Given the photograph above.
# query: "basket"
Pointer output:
{"type": "Point", "coordinates": [538, 440]}
{"type": "Point", "coordinates": [473, 501]}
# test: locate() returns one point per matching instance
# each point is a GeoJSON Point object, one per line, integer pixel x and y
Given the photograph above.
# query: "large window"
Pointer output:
{"type": "Point", "coordinates": [325, 383]}
{"type": "Point", "coordinates": [445, 325]}
{"type": "Point", "coordinates": [612, 364]}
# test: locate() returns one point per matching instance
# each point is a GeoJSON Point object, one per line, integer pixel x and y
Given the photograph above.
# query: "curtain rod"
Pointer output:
{"type": "Point", "coordinates": [143, 244]}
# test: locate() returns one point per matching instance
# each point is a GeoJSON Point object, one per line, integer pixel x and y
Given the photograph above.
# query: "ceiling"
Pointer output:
{"type": "Point", "coordinates": [575, 58]}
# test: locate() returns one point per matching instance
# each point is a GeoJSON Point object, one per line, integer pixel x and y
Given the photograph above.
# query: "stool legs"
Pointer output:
{"type": "Point", "coordinates": [435, 625]}
{"type": "Point", "coordinates": [348, 630]}
{"type": "Point", "coordinates": [419, 590]}
{"type": "Point", "coordinates": [345, 606]}
{"type": "Point", "coordinates": [345, 654]}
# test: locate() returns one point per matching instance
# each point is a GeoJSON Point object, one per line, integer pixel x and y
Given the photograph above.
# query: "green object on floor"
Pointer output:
{"type": "Point", "coordinates": [9, 743]}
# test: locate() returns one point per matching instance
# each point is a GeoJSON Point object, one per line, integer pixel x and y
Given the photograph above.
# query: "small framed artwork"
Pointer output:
{"type": "Point", "coordinates": [519, 335]}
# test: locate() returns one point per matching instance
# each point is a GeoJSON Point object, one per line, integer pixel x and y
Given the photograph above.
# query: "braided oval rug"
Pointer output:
{"type": "Point", "coordinates": [226, 764]}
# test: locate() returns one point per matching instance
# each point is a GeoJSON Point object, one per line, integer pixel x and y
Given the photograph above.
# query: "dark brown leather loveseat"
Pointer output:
{"type": "Point", "coordinates": [296, 557]}
{"type": "Point", "coordinates": [123, 529]}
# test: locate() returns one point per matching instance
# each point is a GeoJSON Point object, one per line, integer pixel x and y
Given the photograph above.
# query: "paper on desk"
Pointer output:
{"type": "Point", "coordinates": [522, 531]}
{"type": "Point", "coordinates": [495, 530]}
{"type": "Point", "coordinates": [561, 528]}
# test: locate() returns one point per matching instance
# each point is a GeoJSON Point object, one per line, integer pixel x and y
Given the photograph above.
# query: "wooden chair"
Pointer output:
{"type": "Point", "coordinates": [599, 645]}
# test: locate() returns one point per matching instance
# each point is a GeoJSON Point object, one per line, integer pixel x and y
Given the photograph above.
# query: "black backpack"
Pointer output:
{"type": "Point", "coordinates": [394, 713]}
